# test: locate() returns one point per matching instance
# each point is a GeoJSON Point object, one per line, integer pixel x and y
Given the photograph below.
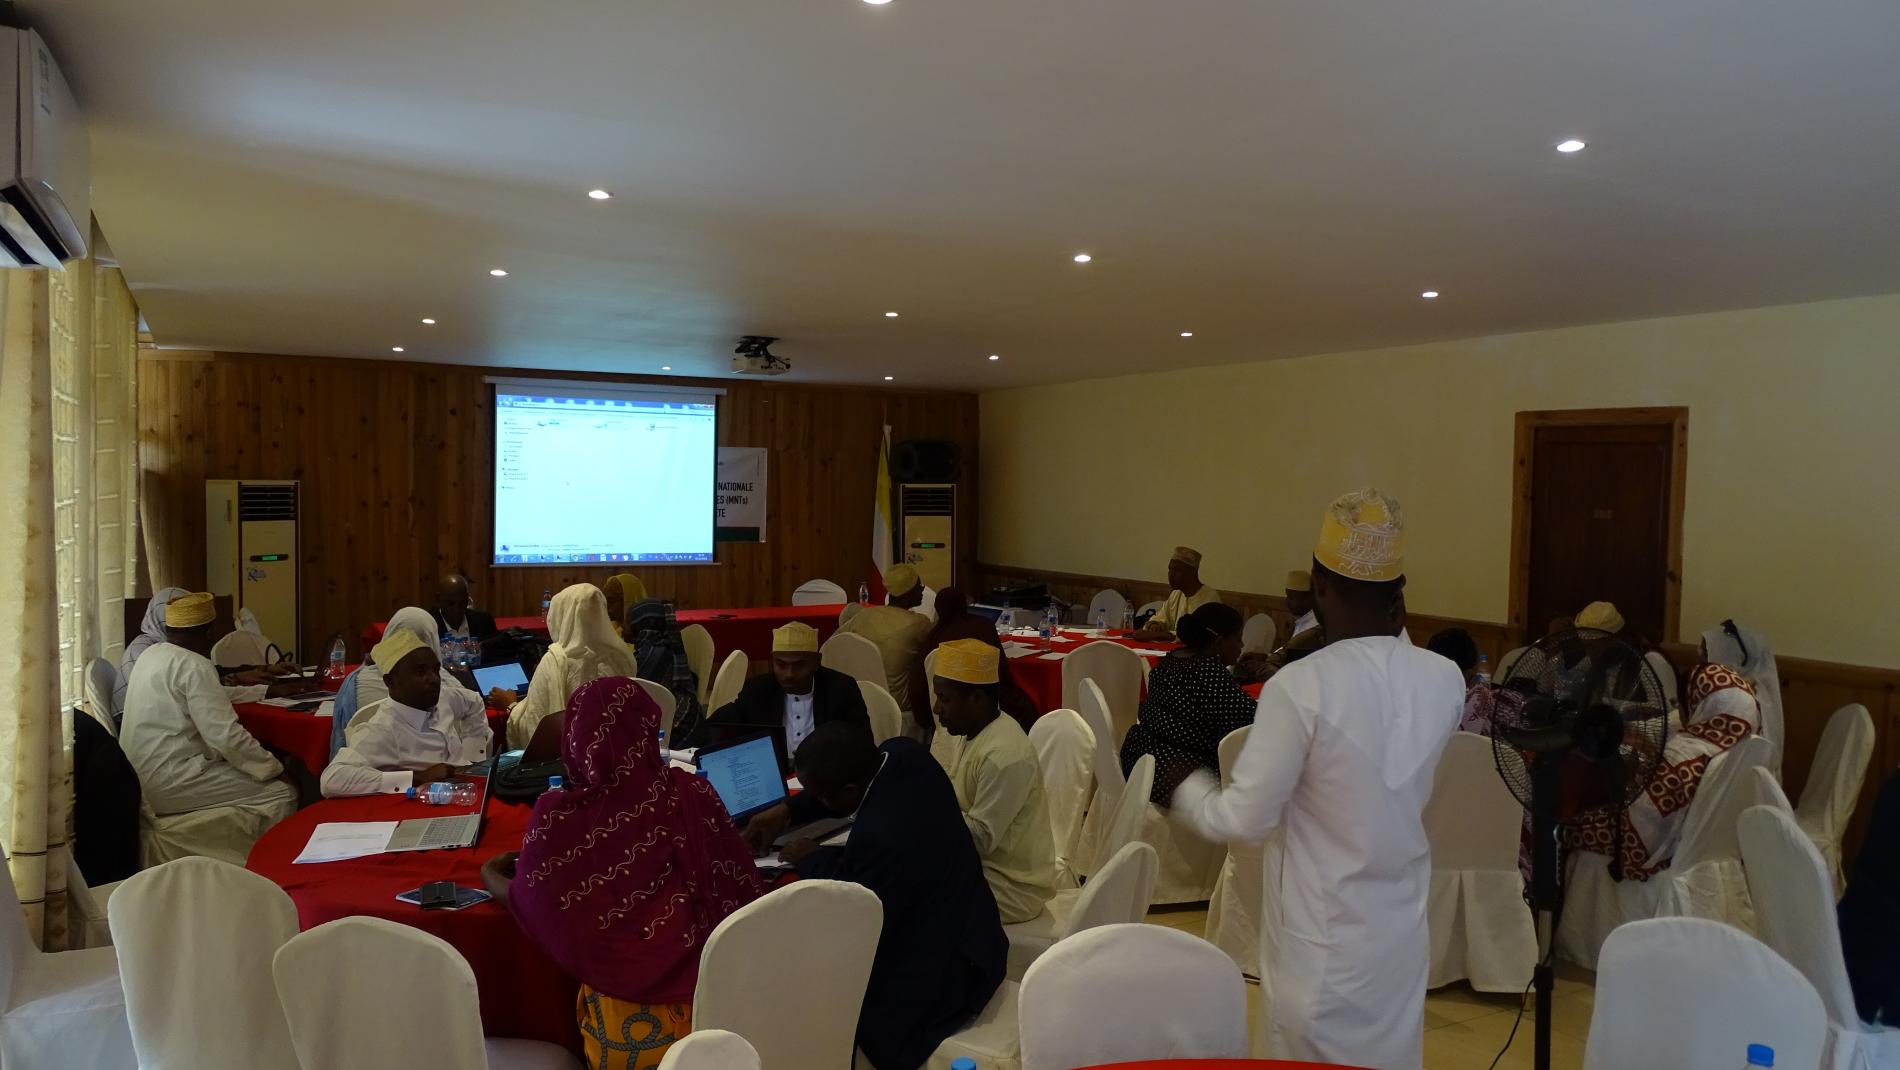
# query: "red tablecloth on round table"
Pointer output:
{"type": "Point", "coordinates": [749, 630]}
{"type": "Point", "coordinates": [1043, 678]}
{"type": "Point", "coordinates": [307, 735]}
{"type": "Point", "coordinates": [1220, 1064]}
{"type": "Point", "coordinates": [523, 993]}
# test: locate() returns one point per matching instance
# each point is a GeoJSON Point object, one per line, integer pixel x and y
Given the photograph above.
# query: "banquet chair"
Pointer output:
{"type": "Point", "coordinates": [855, 656]}
{"type": "Point", "coordinates": [1065, 751]}
{"type": "Point", "coordinates": [1793, 892]}
{"type": "Point", "coordinates": [824, 934]}
{"type": "Point", "coordinates": [1148, 609]}
{"type": "Point", "coordinates": [1507, 661]}
{"type": "Point", "coordinates": [1131, 992]}
{"type": "Point", "coordinates": [1666, 673]}
{"type": "Point", "coordinates": [407, 996]}
{"type": "Point", "coordinates": [86, 906]}
{"type": "Point", "coordinates": [241, 648]}
{"type": "Point", "coordinates": [102, 682]}
{"type": "Point", "coordinates": [664, 698]}
{"type": "Point", "coordinates": [1258, 634]}
{"type": "Point", "coordinates": [1833, 787]}
{"type": "Point", "coordinates": [1235, 910]}
{"type": "Point", "coordinates": [1481, 930]}
{"type": "Point", "coordinates": [887, 719]}
{"type": "Point", "coordinates": [1693, 994]}
{"type": "Point", "coordinates": [700, 654]}
{"type": "Point", "coordinates": [711, 1049]}
{"type": "Point", "coordinates": [227, 923]}
{"type": "Point", "coordinates": [1110, 601]}
{"type": "Point", "coordinates": [1704, 879]}
{"type": "Point", "coordinates": [208, 832]}
{"type": "Point", "coordinates": [729, 681]}
{"type": "Point", "coordinates": [1121, 892]}
{"type": "Point", "coordinates": [58, 1009]}
{"type": "Point", "coordinates": [819, 593]}
{"type": "Point", "coordinates": [1117, 670]}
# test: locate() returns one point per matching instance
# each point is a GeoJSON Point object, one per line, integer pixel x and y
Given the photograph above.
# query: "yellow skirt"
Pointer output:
{"type": "Point", "coordinates": [618, 1035]}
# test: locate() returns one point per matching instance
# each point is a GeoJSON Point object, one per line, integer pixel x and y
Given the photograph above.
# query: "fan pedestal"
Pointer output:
{"type": "Point", "coordinates": [1546, 782]}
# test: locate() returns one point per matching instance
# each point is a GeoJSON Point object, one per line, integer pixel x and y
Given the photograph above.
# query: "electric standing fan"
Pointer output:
{"type": "Point", "coordinates": [1583, 743]}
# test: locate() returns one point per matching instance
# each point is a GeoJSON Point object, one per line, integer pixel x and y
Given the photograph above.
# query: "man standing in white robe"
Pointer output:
{"type": "Point", "coordinates": [1341, 757]}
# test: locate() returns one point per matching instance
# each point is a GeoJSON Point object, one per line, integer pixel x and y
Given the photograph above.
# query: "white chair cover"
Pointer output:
{"type": "Point", "coordinates": [1125, 821]}
{"type": "Point", "coordinates": [1105, 761]}
{"type": "Point", "coordinates": [700, 655]}
{"type": "Point", "coordinates": [1190, 865]}
{"type": "Point", "coordinates": [819, 593]}
{"type": "Point", "coordinates": [1793, 892]}
{"type": "Point", "coordinates": [855, 656]}
{"type": "Point", "coordinates": [241, 648]}
{"type": "Point", "coordinates": [1113, 602]}
{"type": "Point", "coordinates": [1257, 636]}
{"type": "Point", "coordinates": [729, 681]}
{"type": "Point", "coordinates": [710, 1049]}
{"type": "Point", "coordinates": [57, 1010]}
{"type": "Point", "coordinates": [1117, 670]}
{"type": "Point", "coordinates": [1693, 994]}
{"type": "Point", "coordinates": [1703, 880]}
{"type": "Point", "coordinates": [1481, 929]}
{"type": "Point", "coordinates": [1149, 608]}
{"type": "Point", "coordinates": [665, 699]}
{"type": "Point", "coordinates": [1234, 910]}
{"type": "Point", "coordinates": [223, 832]}
{"type": "Point", "coordinates": [1666, 673]}
{"type": "Point", "coordinates": [222, 924]}
{"type": "Point", "coordinates": [887, 721]}
{"type": "Point", "coordinates": [1509, 659]}
{"type": "Point", "coordinates": [371, 994]}
{"type": "Point", "coordinates": [1122, 892]}
{"type": "Point", "coordinates": [86, 923]}
{"type": "Point", "coordinates": [102, 682]}
{"type": "Point", "coordinates": [1124, 993]}
{"type": "Point", "coordinates": [1065, 751]}
{"type": "Point", "coordinates": [1833, 787]}
{"type": "Point", "coordinates": [824, 934]}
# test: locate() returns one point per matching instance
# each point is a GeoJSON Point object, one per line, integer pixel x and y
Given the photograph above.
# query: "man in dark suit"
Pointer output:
{"type": "Point", "coordinates": [799, 693]}
{"type": "Point", "coordinates": [454, 615]}
{"type": "Point", "coordinates": [941, 954]}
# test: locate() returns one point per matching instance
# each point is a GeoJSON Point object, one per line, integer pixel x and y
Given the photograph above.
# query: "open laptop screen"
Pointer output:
{"type": "Point", "coordinates": [507, 676]}
{"type": "Point", "coordinates": [746, 776]}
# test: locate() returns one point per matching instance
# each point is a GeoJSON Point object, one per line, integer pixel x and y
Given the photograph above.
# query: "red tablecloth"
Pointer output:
{"type": "Point", "coordinates": [523, 993]}
{"type": "Point", "coordinates": [749, 630]}
{"type": "Point", "coordinates": [1220, 1064]}
{"type": "Point", "coordinates": [307, 735]}
{"type": "Point", "coordinates": [1043, 678]}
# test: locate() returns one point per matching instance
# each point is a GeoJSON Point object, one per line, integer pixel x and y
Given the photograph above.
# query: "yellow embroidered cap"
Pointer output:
{"type": "Point", "coordinates": [900, 579]}
{"type": "Point", "coordinates": [795, 638]}
{"type": "Point", "coordinates": [968, 661]}
{"type": "Point", "coordinates": [1189, 557]}
{"type": "Point", "coordinates": [397, 644]}
{"type": "Point", "coordinates": [1600, 615]}
{"type": "Point", "coordinates": [189, 610]}
{"type": "Point", "coordinates": [1299, 580]}
{"type": "Point", "coordinates": [1362, 537]}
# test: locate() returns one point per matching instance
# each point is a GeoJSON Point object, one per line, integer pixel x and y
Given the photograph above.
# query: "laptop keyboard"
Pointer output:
{"type": "Point", "coordinates": [446, 832]}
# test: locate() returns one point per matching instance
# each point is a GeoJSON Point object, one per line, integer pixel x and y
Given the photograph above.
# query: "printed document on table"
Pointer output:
{"type": "Point", "coordinates": [334, 841]}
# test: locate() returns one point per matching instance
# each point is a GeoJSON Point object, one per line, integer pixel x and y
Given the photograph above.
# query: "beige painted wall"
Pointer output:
{"type": "Point", "coordinates": [1793, 514]}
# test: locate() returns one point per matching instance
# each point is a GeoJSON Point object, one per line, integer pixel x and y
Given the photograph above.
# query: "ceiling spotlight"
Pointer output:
{"type": "Point", "coordinates": [1083, 258]}
{"type": "Point", "coordinates": [1187, 334]}
{"type": "Point", "coordinates": [1572, 145]}
{"type": "Point", "coordinates": [499, 273]}
{"type": "Point", "coordinates": [877, 3]}
{"type": "Point", "coordinates": [666, 367]}
{"type": "Point", "coordinates": [890, 315]}
{"type": "Point", "coordinates": [996, 356]}
{"type": "Point", "coordinates": [1430, 295]}
{"type": "Point", "coordinates": [600, 194]}
{"type": "Point", "coordinates": [888, 378]}
{"type": "Point", "coordinates": [395, 349]}
{"type": "Point", "coordinates": [428, 321]}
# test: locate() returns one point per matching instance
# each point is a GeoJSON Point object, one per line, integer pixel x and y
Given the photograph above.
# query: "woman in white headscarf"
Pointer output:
{"type": "Point", "coordinates": [582, 647]}
{"type": "Point", "coordinates": [1746, 651]}
{"type": "Point", "coordinates": [457, 699]}
{"type": "Point", "coordinates": [151, 632]}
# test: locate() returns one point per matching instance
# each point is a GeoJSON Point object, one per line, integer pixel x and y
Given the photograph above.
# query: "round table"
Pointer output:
{"type": "Point", "coordinates": [523, 993]}
{"type": "Point", "coordinates": [1041, 677]}
{"type": "Point", "coordinates": [1220, 1064]}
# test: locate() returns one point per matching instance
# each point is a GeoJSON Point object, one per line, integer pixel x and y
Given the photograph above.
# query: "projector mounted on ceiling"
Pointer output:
{"type": "Point", "coordinates": [754, 357]}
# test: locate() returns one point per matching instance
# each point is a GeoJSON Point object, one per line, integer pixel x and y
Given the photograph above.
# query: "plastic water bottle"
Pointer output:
{"type": "Point", "coordinates": [439, 793]}
{"type": "Point", "coordinates": [1101, 620]}
{"type": "Point", "coordinates": [1048, 629]}
{"type": "Point", "coordinates": [1760, 1055]}
{"type": "Point", "coordinates": [1128, 615]}
{"type": "Point", "coordinates": [864, 594]}
{"type": "Point", "coordinates": [333, 673]}
{"type": "Point", "coordinates": [465, 794]}
{"type": "Point", "coordinates": [1483, 675]}
{"type": "Point", "coordinates": [547, 599]}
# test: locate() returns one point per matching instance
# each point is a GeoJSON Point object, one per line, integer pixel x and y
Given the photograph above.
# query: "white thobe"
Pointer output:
{"type": "Point", "coordinates": [393, 740]}
{"type": "Point", "coordinates": [185, 742]}
{"type": "Point", "coordinates": [1341, 756]}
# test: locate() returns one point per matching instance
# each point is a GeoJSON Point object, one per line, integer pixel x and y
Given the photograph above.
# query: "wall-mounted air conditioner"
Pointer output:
{"type": "Point", "coordinates": [45, 158]}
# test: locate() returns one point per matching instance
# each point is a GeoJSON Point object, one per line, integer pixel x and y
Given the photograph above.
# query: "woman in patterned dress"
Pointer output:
{"type": "Point", "coordinates": [1193, 701]}
{"type": "Point", "coordinates": [623, 874]}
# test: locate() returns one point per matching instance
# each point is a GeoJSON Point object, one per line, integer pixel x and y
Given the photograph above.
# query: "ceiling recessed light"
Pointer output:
{"type": "Point", "coordinates": [1083, 258]}
{"type": "Point", "coordinates": [1572, 145]}
{"type": "Point", "coordinates": [890, 315]}
{"type": "Point", "coordinates": [499, 273]}
{"type": "Point", "coordinates": [600, 194]}
{"type": "Point", "coordinates": [395, 349]}
{"type": "Point", "coordinates": [996, 356]}
{"type": "Point", "coordinates": [1430, 295]}
{"type": "Point", "coordinates": [888, 378]}
{"type": "Point", "coordinates": [877, 3]}
{"type": "Point", "coordinates": [1187, 334]}
{"type": "Point", "coordinates": [666, 367]}
{"type": "Point", "coordinates": [428, 321]}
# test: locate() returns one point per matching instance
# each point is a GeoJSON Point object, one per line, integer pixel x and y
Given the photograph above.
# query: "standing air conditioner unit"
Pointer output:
{"type": "Point", "coordinates": [251, 552]}
{"type": "Point", "coordinates": [927, 524]}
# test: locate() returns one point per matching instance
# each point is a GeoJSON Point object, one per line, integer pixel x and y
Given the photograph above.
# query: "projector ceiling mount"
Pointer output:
{"type": "Point", "coordinates": [754, 357]}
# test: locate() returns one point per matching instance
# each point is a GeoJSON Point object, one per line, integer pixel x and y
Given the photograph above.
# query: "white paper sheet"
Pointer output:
{"type": "Point", "coordinates": [1017, 650]}
{"type": "Point", "coordinates": [334, 841]}
{"type": "Point", "coordinates": [1055, 656]}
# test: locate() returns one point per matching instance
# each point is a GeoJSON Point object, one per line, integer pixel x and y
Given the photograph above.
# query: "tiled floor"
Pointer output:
{"type": "Point", "coordinates": [1464, 1030]}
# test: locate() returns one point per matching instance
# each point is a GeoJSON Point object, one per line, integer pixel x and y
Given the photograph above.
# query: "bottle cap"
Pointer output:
{"type": "Point", "coordinates": [554, 783]}
{"type": "Point", "coordinates": [410, 791]}
{"type": "Point", "coordinates": [964, 1063]}
{"type": "Point", "coordinates": [1761, 1055]}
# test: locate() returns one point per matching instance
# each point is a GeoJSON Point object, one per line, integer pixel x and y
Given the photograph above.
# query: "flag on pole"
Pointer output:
{"type": "Point", "coordinates": [881, 520]}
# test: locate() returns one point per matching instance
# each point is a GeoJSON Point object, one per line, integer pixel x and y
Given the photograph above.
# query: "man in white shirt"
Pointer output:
{"type": "Point", "coordinates": [1186, 593]}
{"type": "Point", "coordinates": [1341, 757]}
{"type": "Point", "coordinates": [1299, 601]}
{"type": "Point", "coordinates": [414, 736]}
{"type": "Point", "coordinates": [191, 754]}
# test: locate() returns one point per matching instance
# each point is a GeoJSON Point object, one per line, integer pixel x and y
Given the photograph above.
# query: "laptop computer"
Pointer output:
{"type": "Point", "coordinates": [716, 733]}
{"type": "Point", "coordinates": [509, 676]}
{"type": "Point", "coordinates": [444, 833]}
{"type": "Point", "coordinates": [745, 774]}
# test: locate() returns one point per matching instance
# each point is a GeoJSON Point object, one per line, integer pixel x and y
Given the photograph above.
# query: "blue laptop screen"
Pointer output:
{"type": "Point", "coordinates": [509, 677]}
{"type": "Point", "coordinates": [745, 775]}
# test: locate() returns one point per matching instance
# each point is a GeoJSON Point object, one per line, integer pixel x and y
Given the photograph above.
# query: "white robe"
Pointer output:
{"type": "Point", "coordinates": [1341, 757]}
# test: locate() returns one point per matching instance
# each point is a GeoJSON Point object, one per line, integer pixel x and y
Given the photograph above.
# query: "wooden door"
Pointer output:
{"type": "Point", "coordinates": [1600, 523]}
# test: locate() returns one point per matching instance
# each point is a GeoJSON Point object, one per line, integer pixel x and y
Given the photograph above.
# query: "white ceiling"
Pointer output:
{"type": "Point", "coordinates": [1279, 178]}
